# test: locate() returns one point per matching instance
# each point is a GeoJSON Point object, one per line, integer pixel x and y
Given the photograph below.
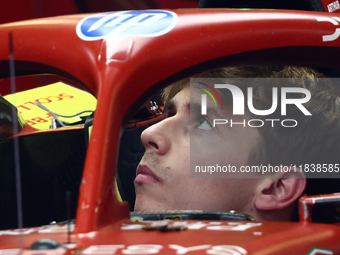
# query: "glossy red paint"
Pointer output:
{"type": "Point", "coordinates": [119, 76]}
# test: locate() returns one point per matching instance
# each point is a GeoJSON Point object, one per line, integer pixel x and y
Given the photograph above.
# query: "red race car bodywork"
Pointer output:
{"type": "Point", "coordinates": [123, 71]}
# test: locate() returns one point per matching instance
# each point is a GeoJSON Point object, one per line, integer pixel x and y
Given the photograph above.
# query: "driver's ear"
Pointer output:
{"type": "Point", "coordinates": [280, 192]}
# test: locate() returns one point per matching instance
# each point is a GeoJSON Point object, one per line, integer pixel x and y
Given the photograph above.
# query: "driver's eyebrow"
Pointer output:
{"type": "Point", "coordinates": [171, 106]}
{"type": "Point", "coordinates": [196, 107]}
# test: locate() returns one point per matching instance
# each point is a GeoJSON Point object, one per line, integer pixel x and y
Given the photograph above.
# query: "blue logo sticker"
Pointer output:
{"type": "Point", "coordinates": [148, 23]}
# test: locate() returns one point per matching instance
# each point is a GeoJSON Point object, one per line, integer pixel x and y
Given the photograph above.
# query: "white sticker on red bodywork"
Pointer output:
{"type": "Point", "coordinates": [230, 226]}
{"type": "Point", "coordinates": [9, 251]}
{"type": "Point", "coordinates": [319, 251]}
{"type": "Point", "coordinates": [146, 23]}
{"type": "Point", "coordinates": [332, 7]}
{"type": "Point", "coordinates": [44, 252]}
{"type": "Point", "coordinates": [335, 21]}
{"type": "Point", "coordinates": [157, 248]}
{"type": "Point", "coordinates": [43, 229]}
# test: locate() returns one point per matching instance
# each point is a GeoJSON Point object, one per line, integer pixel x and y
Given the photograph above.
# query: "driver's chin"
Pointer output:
{"type": "Point", "coordinates": [147, 203]}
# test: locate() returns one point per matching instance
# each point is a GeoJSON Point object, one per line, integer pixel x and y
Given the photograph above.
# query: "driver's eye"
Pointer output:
{"type": "Point", "coordinates": [204, 125]}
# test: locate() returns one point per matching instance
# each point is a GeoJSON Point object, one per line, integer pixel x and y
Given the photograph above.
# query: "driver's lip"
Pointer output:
{"type": "Point", "coordinates": [145, 175]}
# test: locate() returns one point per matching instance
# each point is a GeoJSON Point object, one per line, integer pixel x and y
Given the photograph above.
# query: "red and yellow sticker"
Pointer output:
{"type": "Point", "coordinates": [58, 97]}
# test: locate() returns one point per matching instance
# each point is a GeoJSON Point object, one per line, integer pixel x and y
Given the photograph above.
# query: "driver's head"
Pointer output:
{"type": "Point", "coordinates": [163, 179]}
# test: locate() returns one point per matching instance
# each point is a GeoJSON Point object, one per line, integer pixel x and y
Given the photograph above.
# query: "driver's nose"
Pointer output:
{"type": "Point", "coordinates": [157, 137]}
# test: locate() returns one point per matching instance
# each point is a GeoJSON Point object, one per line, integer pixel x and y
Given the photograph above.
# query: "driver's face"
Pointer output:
{"type": "Point", "coordinates": [163, 179]}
